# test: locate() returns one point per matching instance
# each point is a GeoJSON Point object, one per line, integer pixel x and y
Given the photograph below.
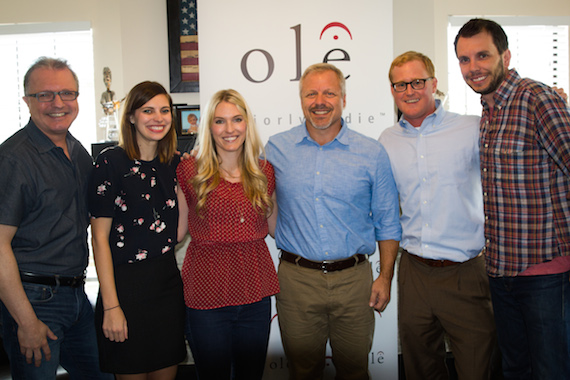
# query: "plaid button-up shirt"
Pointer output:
{"type": "Point", "coordinates": [525, 167]}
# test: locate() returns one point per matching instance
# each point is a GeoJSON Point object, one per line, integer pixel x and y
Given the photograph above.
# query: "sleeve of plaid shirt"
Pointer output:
{"type": "Point", "coordinates": [553, 128]}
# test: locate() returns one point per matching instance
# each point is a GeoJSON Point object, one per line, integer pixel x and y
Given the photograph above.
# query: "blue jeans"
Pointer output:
{"type": "Point", "coordinates": [532, 314]}
{"type": "Point", "coordinates": [69, 314]}
{"type": "Point", "coordinates": [230, 342]}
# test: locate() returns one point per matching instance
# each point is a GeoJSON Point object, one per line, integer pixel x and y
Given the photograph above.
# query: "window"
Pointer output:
{"type": "Point", "coordinates": [21, 45]}
{"type": "Point", "coordinates": [539, 48]}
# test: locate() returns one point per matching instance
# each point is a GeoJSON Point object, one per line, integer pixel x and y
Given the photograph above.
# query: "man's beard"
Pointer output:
{"type": "Point", "coordinates": [497, 80]}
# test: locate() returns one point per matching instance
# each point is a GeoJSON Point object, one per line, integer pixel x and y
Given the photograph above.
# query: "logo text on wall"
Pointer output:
{"type": "Point", "coordinates": [331, 56]}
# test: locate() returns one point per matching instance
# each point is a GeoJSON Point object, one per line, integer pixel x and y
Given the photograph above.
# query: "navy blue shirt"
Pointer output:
{"type": "Point", "coordinates": [44, 194]}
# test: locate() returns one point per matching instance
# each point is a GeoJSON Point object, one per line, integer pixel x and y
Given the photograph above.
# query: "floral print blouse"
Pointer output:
{"type": "Point", "coordinates": [140, 196]}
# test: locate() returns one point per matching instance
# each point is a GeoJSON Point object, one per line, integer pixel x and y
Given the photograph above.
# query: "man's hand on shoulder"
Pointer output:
{"type": "Point", "coordinates": [560, 91]}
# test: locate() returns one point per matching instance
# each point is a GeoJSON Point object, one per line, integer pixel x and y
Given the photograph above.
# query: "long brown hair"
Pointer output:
{"type": "Point", "coordinates": [137, 97]}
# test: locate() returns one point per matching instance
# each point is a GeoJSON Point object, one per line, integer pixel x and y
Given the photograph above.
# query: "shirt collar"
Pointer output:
{"type": "Point", "coordinates": [42, 143]}
{"type": "Point", "coordinates": [303, 134]}
{"type": "Point", "coordinates": [434, 119]}
{"type": "Point", "coordinates": [502, 93]}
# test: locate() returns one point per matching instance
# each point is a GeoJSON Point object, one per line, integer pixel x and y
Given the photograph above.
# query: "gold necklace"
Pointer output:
{"type": "Point", "coordinates": [241, 216]}
{"type": "Point", "coordinates": [228, 173]}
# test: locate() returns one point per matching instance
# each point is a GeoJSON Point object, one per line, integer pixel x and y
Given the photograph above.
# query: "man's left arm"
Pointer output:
{"type": "Point", "coordinates": [553, 117]}
{"type": "Point", "coordinates": [386, 217]}
{"type": "Point", "coordinates": [380, 295]}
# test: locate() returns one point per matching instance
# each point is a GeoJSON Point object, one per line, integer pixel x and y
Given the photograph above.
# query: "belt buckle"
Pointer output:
{"type": "Point", "coordinates": [324, 265]}
{"type": "Point", "coordinates": [76, 282]}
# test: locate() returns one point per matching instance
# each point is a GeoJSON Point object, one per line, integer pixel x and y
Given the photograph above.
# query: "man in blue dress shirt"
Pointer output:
{"type": "Point", "coordinates": [336, 197]}
{"type": "Point", "coordinates": [443, 287]}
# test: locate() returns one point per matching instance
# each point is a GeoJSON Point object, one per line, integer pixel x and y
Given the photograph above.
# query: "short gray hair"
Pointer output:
{"type": "Point", "coordinates": [48, 63]}
{"type": "Point", "coordinates": [321, 67]}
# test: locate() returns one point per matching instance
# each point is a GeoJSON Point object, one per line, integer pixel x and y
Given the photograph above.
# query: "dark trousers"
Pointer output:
{"type": "Point", "coordinates": [68, 313]}
{"type": "Point", "coordinates": [455, 300]}
{"type": "Point", "coordinates": [533, 325]}
{"type": "Point", "coordinates": [230, 342]}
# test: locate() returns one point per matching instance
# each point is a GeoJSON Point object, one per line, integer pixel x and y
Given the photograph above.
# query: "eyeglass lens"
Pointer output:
{"type": "Point", "coordinates": [417, 84]}
{"type": "Point", "coordinates": [48, 96]}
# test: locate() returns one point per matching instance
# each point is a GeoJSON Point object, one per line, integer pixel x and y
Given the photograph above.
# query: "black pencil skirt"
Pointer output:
{"type": "Point", "coordinates": [150, 294]}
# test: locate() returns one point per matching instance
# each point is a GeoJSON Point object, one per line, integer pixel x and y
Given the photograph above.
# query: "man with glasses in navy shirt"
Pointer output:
{"type": "Point", "coordinates": [46, 316]}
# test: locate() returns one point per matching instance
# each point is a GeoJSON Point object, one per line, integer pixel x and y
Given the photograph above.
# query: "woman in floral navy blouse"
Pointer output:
{"type": "Point", "coordinates": [228, 273]}
{"type": "Point", "coordinates": [133, 205]}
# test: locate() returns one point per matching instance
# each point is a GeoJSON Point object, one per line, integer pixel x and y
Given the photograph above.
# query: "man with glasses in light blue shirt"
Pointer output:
{"type": "Point", "coordinates": [336, 198]}
{"type": "Point", "coordinates": [443, 286]}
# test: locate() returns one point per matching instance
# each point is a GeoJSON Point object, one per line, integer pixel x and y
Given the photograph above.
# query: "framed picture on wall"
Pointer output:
{"type": "Point", "coordinates": [183, 46]}
{"type": "Point", "coordinates": [188, 119]}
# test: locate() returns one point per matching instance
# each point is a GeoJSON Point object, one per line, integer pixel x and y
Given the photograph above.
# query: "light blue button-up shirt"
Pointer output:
{"type": "Point", "coordinates": [334, 200]}
{"type": "Point", "coordinates": [436, 168]}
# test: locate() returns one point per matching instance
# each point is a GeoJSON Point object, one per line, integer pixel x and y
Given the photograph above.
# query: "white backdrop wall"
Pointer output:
{"type": "Point", "coordinates": [261, 48]}
{"type": "Point", "coordinates": [273, 42]}
{"type": "Point", "coordinates": [130, 36]}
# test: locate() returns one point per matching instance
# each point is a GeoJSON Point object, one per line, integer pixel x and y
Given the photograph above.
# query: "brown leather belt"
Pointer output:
{"type": "Point", "coordinates": [325, 266]}
{"type": "Point", "coordinates": [432, 262]}
{"type": "Point", "coordinates": [33, 278]}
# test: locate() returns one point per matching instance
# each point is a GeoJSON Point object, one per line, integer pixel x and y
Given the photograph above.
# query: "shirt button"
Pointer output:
{"type": "Point", "coordinates": [317, 199]}
{"type": "Point", "coordinates": [321, 226]}
{"type": "Point", "coordinates": [318, 173]}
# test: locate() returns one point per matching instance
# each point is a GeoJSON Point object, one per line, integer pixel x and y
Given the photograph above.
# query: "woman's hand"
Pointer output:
{"type": "Point", "coordinates": [115, 325]}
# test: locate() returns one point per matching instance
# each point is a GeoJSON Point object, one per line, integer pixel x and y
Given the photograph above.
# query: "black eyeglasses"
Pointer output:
{"type": "Point", "coordinates": [417, 84]}
{"type": "Point", "coordinates": [49, 96]}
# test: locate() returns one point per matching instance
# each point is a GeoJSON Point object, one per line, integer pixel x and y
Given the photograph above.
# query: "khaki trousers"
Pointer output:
{"type": "Point", "coordinates": [314, 307]}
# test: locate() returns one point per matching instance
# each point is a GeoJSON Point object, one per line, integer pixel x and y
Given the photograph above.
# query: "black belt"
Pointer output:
{"type": "Point", "coordinates": [432, 262]}
{"type": "Point", "coordinates": [325, 266]}
{"type": "Point", "coordinates": [33, 278]}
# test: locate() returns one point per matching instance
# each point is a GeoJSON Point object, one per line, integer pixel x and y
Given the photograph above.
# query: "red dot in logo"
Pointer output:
{"type": "Point", "coordinates": [335, 37]}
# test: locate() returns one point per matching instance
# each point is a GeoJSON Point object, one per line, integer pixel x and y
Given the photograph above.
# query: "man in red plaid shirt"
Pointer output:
{"type": "Point", "coordinates": [525, 172]}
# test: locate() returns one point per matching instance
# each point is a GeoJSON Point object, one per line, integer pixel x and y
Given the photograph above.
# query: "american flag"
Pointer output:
{"type": "Point", "coordinates": [189, 40]}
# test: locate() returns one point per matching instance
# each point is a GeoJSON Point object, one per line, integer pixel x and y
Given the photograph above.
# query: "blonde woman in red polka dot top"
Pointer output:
{"type": "Point", "coordinates": [226, 199]}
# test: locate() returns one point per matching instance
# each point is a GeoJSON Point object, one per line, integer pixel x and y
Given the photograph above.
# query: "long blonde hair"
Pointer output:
{"type": "Point", "coordinates": [207, 178]}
